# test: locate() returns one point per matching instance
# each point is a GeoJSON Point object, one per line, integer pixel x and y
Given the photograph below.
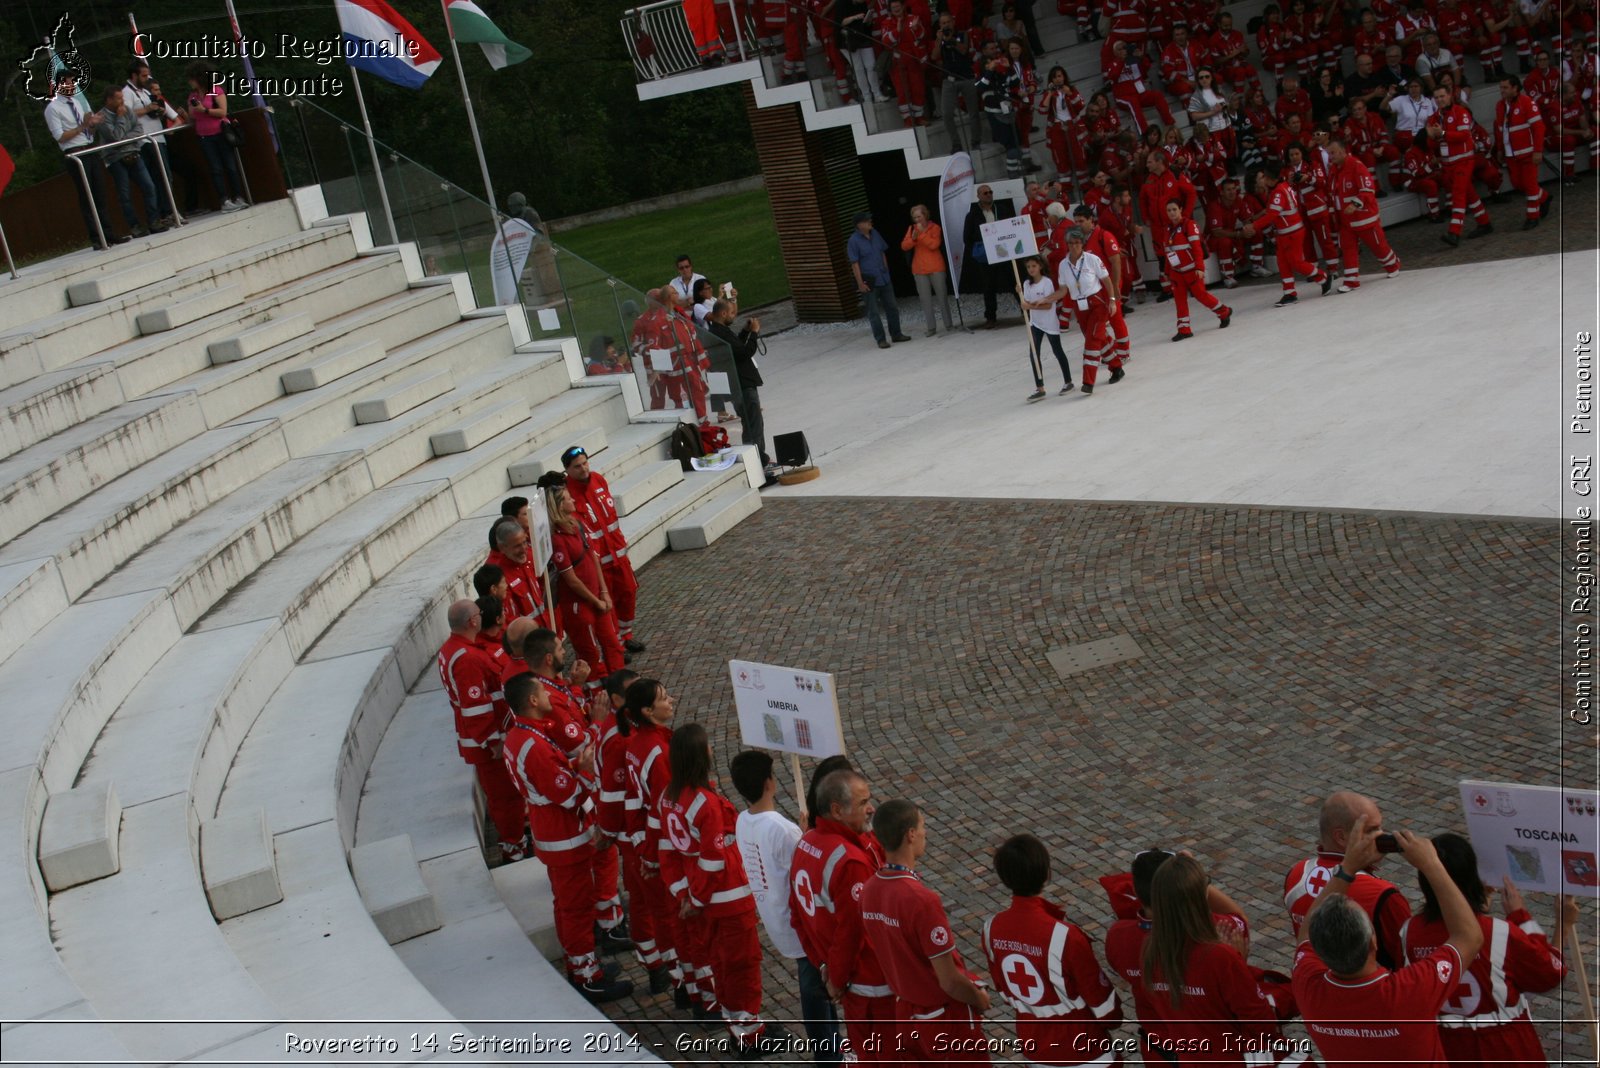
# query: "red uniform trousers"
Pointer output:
{"type": "Point", "coordinates": [702, 17]}
{"type": "Point", "coordinates": [1570, 143]}
{"type": "Point", "coordinates": [694, 958]}
{"type": "Point", "coordinates": [624, 589]}
{"type": "Point", "coordinates": [1427, 189]}
{"type": "Point", "coordinates": [836, 61]}
{"type": "Point", "coordinates": [1067, 150]}
{"type": "Point", "coordinates": [1191, 283]}
{"type": "Point", "coordinates": [1463, 198]}
{"type": "Point", "coordinates": [910, 86]}
{"type": "Point", "coordinates": [921, 1038]}
{"type": "Point", "coordinates": [1319, 238]}
{"type": "Point", "coordinates": [607, 896]}
{"type": "Point", "coordinates": [594, 638]}
{"type": "Point", "coordinates": [1525, 180]}
{"type": "Point", "coordinates": [1511, 1045]}
{"type": "Point", "coordinates": [1232, 251]}
{"type": "Point", "coordinates": [1117, 328]}
{"type": "Point", "coordinates": [735, 966]}
{"type": "Point", "coordinates": [650, 946]}
{"type": "Point", "coordinates": [794, 42]}
{"type": "Point", "coordinates": [502, 802]}
{"type": "Point", "coordinates": [1291, 249]}
{"type": "Point", "coordinates": [1136, 102]}
{"type": "Point", "coordinates": [869, 1023]}
{"type": "Point", "coordinates": [1350, 242]}
{"type": "Point", "coordinates": [572, 886]}
{"type": "Point", "coordinates": [1098, 349]}
{"type": "Point", "coordinates": [1487, 174]}
{"type": "Point", "coordinates": [663, 385]}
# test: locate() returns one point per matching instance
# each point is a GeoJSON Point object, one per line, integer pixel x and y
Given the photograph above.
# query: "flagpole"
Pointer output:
{"type": "Point", "coordinates": [477, 143]}
{"type": "Point", "coordinates": [250, 73]}
{"type": "Point", "coordinates": [377, 166]}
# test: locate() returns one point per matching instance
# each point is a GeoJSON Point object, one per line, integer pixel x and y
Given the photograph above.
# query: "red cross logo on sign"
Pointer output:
{"type": "Point", "coordinates": [1023, 978]}
{"type": "Point", "coordinates": [804, 894]}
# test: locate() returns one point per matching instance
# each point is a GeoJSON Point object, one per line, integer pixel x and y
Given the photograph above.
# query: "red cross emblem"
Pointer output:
{"type": "Point", "coordinates": [1023, 978]}
{"type": "Point", "coordinates": [1318, 879]}
{"type": "Point", "coordinates": [804, 894]}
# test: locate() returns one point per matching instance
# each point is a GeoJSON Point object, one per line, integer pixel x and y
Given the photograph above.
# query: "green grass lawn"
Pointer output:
{"type": "Point", "coordinates": [730, 239]}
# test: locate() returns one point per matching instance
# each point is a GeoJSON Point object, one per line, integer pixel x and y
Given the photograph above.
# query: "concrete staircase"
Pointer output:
{"type": "Point", "coordinates": [244, 466]}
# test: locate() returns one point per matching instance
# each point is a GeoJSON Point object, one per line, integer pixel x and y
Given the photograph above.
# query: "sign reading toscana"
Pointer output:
{"type": "Point", "coordinates": [1546, 838]}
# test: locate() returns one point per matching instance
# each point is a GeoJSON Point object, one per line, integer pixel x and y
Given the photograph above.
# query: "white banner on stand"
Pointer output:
{"type": "Point", "coordinates": [955, 197]}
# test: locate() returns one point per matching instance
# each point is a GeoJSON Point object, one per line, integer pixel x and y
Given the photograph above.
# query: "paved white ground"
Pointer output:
{"type": "Point", "coordinates": [1438, 391]}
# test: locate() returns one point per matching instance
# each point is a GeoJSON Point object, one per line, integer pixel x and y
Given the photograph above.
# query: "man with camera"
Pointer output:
{"type": "Point", "coordinates": [952, 53]}
{"type": "Point", "coordinates": [1354, 1010]}
{"type": "Point", "coordinates": [1386, 907]}
{"type": "Point", "coordinates": [744, 345]}
{"type": "Point", "coordinates": [143, 98]}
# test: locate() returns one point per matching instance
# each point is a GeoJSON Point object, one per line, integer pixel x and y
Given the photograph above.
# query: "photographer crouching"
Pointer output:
{"type": "Point", "coordinates": [744, 345]}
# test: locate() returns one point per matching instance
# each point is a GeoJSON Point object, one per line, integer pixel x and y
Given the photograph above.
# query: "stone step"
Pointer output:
{"type": "Point", "coordinates": [90, 539]}
{"type": "Point", "coordinates": [310, 583]}
{"type": "Point", "coordinates": [472, 432]}
{"type": "Point", "coordinates": [46, 477]}
{"type": "Point", "coordinates": [710, 521]}
{"type": "Point", "coordinates": [246, 344]}
{"type": "Point", "coordinates": [173, 964]}
{"type": "Point", "coordinates": [646, 529]}
{"type": "Point", "coordinates": [50, 403]}
{"type": "Point", "coordinates": [103, 287]}
{"type": "Point", "coordinates": [343, 360]}
{"type": "Point", "coordinates": [31, 594]}
{"type": "Point", "coordinates": [395, 400]}
{"type": "Point", "coordinates": [528, 470]}
{"type": "Point", "coordinates": [79, 836]}
{"type": "Point", "coordinates": [391, 887]}
{"type": "Point", "coordinates": [186, 311]}
{"type": "Point", "coordinates": [198, 562]}
{"type": "Point", "coordinates": [241, 870]}
{"type": "Point", "coordinates": [633, 490]}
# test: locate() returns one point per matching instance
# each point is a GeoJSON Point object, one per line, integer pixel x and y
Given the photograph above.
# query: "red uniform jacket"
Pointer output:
{"type": "Point", "coordinates": [906, 925]}
{"type": "Point", "coordinates": [646, 758]}
{"type": "Point", "coordinates": [1157, 193]}
{"type": "Point", "coordinates": [1221, 44]}
{"type": "Point", "coordinates": [524, 589]}
{"type": "Point", "coordinates": [573, 551]}
{"type": "Point", "coordinates": [1353, 185]}
{"type": "Point", "coordinates": [1518, 128]}
{"type": "Point", "coordinates": [1282, 212]}
{"type": "Point", "coordinates": [1373, 44]}
{"type": "Point", "coordinates": [1046, 968]}
{"type": "Point", "coordinates": [1516, 959]}
{"type": "Point", "coordinates": [1417, 164]}
{"type": "Point", "coordinates": [1369, 135]}
{"type": "Point", "coordinates": [1401, 1006]}
{"type": "Point", "coordinates": [1381, 899]}
{"type": "Point", "coordinates": [554, 790]}
{"type": "Point", "coordinates": [831, 867]}
{"type": "Point", "coordinates": [1223, 1008]}
{"type": "Point", "coordinates": [1183, 251]}
{"type": "Point", "coordinates": [1181, 63]}
{"type": "Point", "coordinates": [471, 681]}
{"type": "Point", "coordinates": [1456, 123]}
{"type": "Point", "coordinates": [599, 513]}
{"type": "Point", "coordinates": [908, 35]}
{"type": "Point", "coordinates": [1104, 243]}
{"type": "Point", "coordinates": [1295, 103]}
{"type": "Point", "coordinates": [611, 767]}
{"type": "Point", "coordinates": [699, 827]}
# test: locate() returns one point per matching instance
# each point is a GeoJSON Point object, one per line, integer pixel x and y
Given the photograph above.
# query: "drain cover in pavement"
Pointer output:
{"type": "Point", "coordinates": [1076, 659]}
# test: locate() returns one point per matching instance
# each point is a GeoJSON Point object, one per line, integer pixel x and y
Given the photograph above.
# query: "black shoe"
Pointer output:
{"type": "Point", "coordinates": [1036, 395]}
{"type": "Point", "coordinates": [123, 240]}
{"type": "Point", "coordinates": [1481, 230]}
{"type": "Point", "coordinates": [1068, 388]}
{"type": "Point", "coordinates": [1496, 198]}
{"type": "Point", "coordinates": [883, 344]}
{"type": "Point", "coordinates": [1549, 202]}
{"type": "Point", "coordinates": [1182, 335]}
{"type": "Point", "coordinates": [610, 969]}
{"type": "Point", "coordinates": [1454, 240]}
{"type": "Point", "coordinates": [1127, 307]}
{"type": "Point", "coordinates": [1530, 224]}
{"type": "Point", "coordinates": [633, 645]}
{"type": "Point", "coordinates": [660, 980]}
{"type": "Point", "coordinates": [600, 991]}
{"type": "Point", "coordinates": [1225, 318]}
{"type": "Point", "coordinates": [680, 997]}
{"type": "Point", "coordinates": [898, 337]}
{"type": "Point", "coordinates": [1117, 375]}
{"type": "Point", "coordinates": [1088, 390]}
{"type": "Point", "coordinates": [616, 940]}
{"type": "Point", "coordinates": [1436, 217]}
{"type": "Point", "coordinates": [773, 1039]}
{"type": "Point", "coordinates": [1286, 300]}
{"type": "Point", "coordinates": [1166, 295]}
{"type": "Point", "coordinates": [627, 658]}
{"type": "Point", "coordinates": [704, 1015]}
{"type": "Point", "coordinates": [1327, 284]}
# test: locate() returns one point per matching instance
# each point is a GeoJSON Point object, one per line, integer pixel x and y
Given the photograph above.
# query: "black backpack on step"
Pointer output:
{"type": "Point", "coordinates": [685, 444]}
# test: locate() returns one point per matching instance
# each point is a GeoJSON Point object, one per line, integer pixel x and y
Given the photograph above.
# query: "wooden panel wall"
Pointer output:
{"type": "Point", "coordinates": [814, 182]}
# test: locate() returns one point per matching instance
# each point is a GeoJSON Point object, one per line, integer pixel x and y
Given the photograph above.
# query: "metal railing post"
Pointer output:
{"type": "Point", "coordinates": [6, 246]}
{"type": "Point", "coordinates": [94, 208]}
{"type": "Point", "coordinates": [166, 179]}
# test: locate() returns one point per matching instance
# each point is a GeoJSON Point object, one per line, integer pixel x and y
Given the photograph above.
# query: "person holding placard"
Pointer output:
{"type": "Point", "coordinates": [1488, 1021]}
{"type": "Point", "coordinates": [1038, 300]}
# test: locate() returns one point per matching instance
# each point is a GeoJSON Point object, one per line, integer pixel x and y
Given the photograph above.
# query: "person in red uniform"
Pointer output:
{"type": "Point", "coordinates": [1543, 83]}
{"type": "Point", "coordinates": [938, 1005]}
{"type": "Point", "coordinates": [1485, 172]}
{"type": "Point", "coordinates": [1367, 137]}
{"type": "Point", "coordinates": [1386, 906]}
{"type": "Point", "coordinates": [1293, 101]}
{"type": "Point", "coordinates": [511, 552]}
{"type": "Point", "coordinates": [471, 682]}
{"type": "Point", "coordinates": [1180, 61]}
{"type": "Point", "coordinates": [591, 496]}
{"type": "Point", "coordinates": [1161, 187]}
{"type": "Point", "coordinates": [1275, 41]}
{"type": "Point", "coordinates": [1575, 131]}
{"type": "Point", "coordinates": [1419, 173]}
{"type": "Point", "coordinates": [1282, 216]}
{"type": "Point", "coordinates": [1225, 220]}
{"type": "Point", "coordinates": [1045, 966]}
{"type": "Point", "coordinates": [1125, 75]}
{"type": "Point", "coordinates": [1519, 139]}
{"type": "Point", "coordinates": [584, 603]}
{"type": "Point", "coordinates": [1230, 54]}
{"type": "Point", "coordinates": [1355, 200]}
{"type": "Point", "coordinates": [1356, 1012]}
{"type": "Point", "coordinates": [1062, 107]}
{"type": "Point", "coordinates": [1451, 130]}
{"type": "Point", "coordinates": [1198, 985]}
{"type": "Point", "coordinates": [611, 821]}
{"type": "Point", "coordinates": [699, 823]}
{"type": "Point", "coordinates": [556, 791]}
{"type": "Point", "coordinates": [1488, 1020]}
{"type": "Point", "coordinates": [645, 720]}
{"type": "Point", "coordinates": [1104, 245]}
{"type": "Point", "coordinates": [1186, 267]}
{"type": "Point", "coordinates": [906, 37]}
{"type": "Point", "coordinates": [832, 863]}
{"type": "Point", "coordinates": [1311, 184]}
{"type": "Point", "coordinates": [1082, 280]}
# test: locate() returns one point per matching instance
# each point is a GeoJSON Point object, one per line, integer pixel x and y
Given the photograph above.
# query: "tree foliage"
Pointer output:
{"type": "Point", "coordinates": [566, 127]}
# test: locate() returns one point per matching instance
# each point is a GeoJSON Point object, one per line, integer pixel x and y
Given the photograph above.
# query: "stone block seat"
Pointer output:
{"type": "Point", "coordinates": [217, 586]}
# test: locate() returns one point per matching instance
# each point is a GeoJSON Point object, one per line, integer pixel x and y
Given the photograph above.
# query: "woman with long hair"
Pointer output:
{"type": "Point", "coordinates": [1037, 298]}
{"type": "Point", "coordinates": [1487, 1022]}
{"type": "Point", "coordinates": [1199, 986]}
{"type": "Point", "coordinates": [208, 110]}
{"type": "Point", "coordinates": [645, 719]}
{"type": "Point", "coordinates": [713, 893]}
{"type": "Point", "coordinates": [1063, 110]}
{"type": "Point", "coordinates": [1209, 107]}
{"type": "Point", "coordinates": [588, 615]}
{"type": "Point", "coordinates": [1023, 81]}
{"type": "Point", "coordinates": [1327, 95]}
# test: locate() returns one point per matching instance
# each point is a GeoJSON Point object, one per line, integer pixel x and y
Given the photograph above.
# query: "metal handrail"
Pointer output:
{"type": "Point", "coordinates": [76, 156]}
{"type": "Point", "coordinates": [666, 27]}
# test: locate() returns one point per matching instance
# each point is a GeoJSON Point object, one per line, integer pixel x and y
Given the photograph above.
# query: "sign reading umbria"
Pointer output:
{"type": "Point", "coordinates": [1546, 838]}
{"type": "Point", "coordinates": [791, 710]}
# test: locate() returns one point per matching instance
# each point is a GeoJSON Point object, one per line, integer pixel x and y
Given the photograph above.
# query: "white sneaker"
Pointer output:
{"type": "Point", "coordinates": [1230, 283]}
{"type": "Point", "coordinates": [231, 205]}
{"type": "Point", "coordinates": [1346, 287]}
{"type": "Point", "coordinates": [1393, 274]}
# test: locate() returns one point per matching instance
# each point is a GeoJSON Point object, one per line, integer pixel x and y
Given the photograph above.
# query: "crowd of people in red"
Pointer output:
{"type": "Point", "coordinates": [598, 782]}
